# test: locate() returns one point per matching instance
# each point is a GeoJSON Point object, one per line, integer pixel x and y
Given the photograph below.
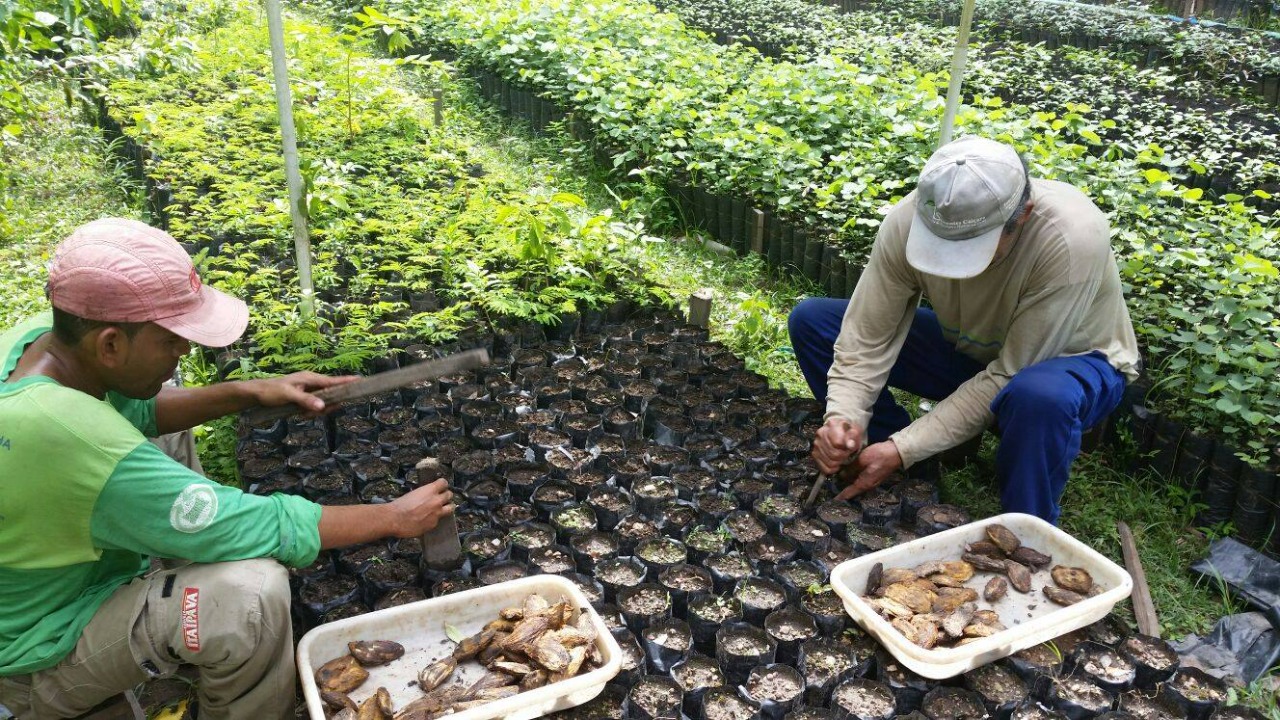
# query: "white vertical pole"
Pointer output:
{"type": "Point", "coordinates": [284, 109]}
{"type": "Point", "coordinates": [958, 61]}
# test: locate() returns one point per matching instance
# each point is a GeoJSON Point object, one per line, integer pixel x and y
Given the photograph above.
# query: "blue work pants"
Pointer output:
{"type": "Point", "coordinates": [1041, 413]}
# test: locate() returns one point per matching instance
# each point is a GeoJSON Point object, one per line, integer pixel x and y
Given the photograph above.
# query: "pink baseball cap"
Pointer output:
{"type": "Point", "coordinates": [118, 270]}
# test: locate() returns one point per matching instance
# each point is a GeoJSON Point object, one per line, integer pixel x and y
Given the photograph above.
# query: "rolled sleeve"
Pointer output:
{"type": "Point", "coordinates": [155, 506]}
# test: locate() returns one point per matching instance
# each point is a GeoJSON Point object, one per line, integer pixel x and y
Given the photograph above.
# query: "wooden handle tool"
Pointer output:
{"type": "Point", "coordinates": [379, 383]}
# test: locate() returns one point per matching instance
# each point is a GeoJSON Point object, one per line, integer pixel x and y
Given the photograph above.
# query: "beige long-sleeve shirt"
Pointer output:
{"type": "Point", "coordinates": [1056, 293]}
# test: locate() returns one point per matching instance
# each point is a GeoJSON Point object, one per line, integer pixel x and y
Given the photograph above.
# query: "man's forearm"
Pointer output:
{"type": "Point", "coordinates": [182, 408]}
{"type": "Point", "coordinates": [342, 525]}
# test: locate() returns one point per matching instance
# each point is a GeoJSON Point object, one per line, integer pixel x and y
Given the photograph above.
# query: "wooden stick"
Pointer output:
{"type": "Point", "coordinates": [757, 232]}
{"type": "Point", "coordinates": [379, 383]}
{"type": "Point", "coordinates": [1143, 609]}
{"type": "Point", "coordinates": [700, 308]}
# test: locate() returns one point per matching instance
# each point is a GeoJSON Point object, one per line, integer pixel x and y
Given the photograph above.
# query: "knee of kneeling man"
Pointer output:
{"type": "Point", "coordinates": [246, 599]}
{"type": "Point", "coordinates": [1027, 390]}
{"type": "Point", "coordinates": [801, 316]}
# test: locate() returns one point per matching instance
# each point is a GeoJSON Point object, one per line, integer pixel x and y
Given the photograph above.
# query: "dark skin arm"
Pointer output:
{"type": "Point", "coordinates": [410, 515]}
{"type": "Point", "coordinates": [179, 409]}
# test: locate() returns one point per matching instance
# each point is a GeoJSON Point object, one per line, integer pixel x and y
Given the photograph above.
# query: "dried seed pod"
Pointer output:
{"type": "Point", "coordinates": [985, 547]}
{"type": "Point", "coordinates": [470, 647]}
{"type": "Point", "coordinates": [526, 633]}
{"type": "Point", "coordinates": [370, 710]}
{"type": "Point", "coordinates": [572, 637]}
{"type": "Point", "coordinates": [511, 613]}
{"type": "Point", "coordinates": [577, 656]}
{"type": "Point", "coordinates": [948, 599]}
{"type": "Point", "coordinates": [466, 705]}
{"type": "Point", "coordinates": [920, 630]}
{"type": "Point", "coordinates": [1062, 597]}
{"type": "Point", "coordinates": [1019, 576]}
{"type": "Point", "coordinates": [983, 562]}
{"type": "Point", "coordinates": [384, 702]}
{"type": "Point", "coordinates": [375, 652]}
{"type": "Point", "coordinates": [560, 614]}
{"type": "Point", "coordinates": [535, 604]}
{"type": "Point", "coordinates": [500, 625]}
{"type": "Point", "coordinates": [337, 700]}
{"type": "Point", "coordinates": [513, 668]}
{"type": "Point", "coordinates": [534, 680]}
{"type": "Point", "coordinates": [488, 681]}
{"type": "Point", "coordinates": [346, 714]}
{"type": "Point", "coordinates": [978, 630]}
{"type": "Point", "coordinates": [954, 623]}
{"type": "Point", "coordinates": [874, 577]}
{"type": "Point", "coordinates": [550, 654]}
{"type": "Point", "coordinates": [957, 569]}
{"type": "Point", "coordinates": [1004, 538]}
{"type": "Point", "coordinates": [434, 675]}
{"type": "Point", "coordinates": [911, 595]}
{"type": "Point", "coordinates": [1077, 580]}
{"type": "Point", "coordinates": [491, 694]}
{"type": "Point", "coordinates": [342, 674]}
{"type": "Point", "coordinates": [942, 580]}
{"type": "Point", "coordinates": [493, 654]}
{"type": "Point", "coordinates": [586, 627]}
{"type": "Point", "coordinates": [987, 617]}
{"type": "Point", "coordinates": [891, 608]}
{"type": "Point", "coordinates": [996, 588]}
{"type": "Point", "coordinates": [923, 569]}
{"type": "Point", "coordinates": [1031, 556]}
{"type": "Point", "coordinates": [891, 576]}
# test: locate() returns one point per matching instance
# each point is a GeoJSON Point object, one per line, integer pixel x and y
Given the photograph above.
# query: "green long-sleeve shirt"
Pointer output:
{"type": "Point", "coordinates": [85, 499]}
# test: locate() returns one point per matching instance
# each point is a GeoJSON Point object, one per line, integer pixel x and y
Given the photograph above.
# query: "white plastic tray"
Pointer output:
{"type": "Point", "coordinates": [1031, 619]}
{"type": "Point", "coordinates": [420, 627]}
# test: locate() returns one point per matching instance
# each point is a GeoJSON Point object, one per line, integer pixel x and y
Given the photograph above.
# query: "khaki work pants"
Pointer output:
{"type": "Point", "coordinates": [230, 620]}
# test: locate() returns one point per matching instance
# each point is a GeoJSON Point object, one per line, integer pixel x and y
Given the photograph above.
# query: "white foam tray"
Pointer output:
{"type": "Point", "coordinates": [1031, 618]}
{"type": "Point", "coordinates": [420, 627]}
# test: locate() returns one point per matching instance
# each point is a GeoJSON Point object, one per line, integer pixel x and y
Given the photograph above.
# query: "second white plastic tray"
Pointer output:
{"type": "Point", "coordinates": [1030, 618]}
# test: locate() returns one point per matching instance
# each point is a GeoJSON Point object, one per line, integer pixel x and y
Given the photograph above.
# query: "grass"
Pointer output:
{"type": "Point", "coordinates": [58, 176]}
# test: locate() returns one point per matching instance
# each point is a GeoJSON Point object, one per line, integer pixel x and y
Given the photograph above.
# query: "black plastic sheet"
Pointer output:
{"type": "Point", "coordinates": [1245, 646]}
{"type": "Point", "coordinates": [1252, 575]}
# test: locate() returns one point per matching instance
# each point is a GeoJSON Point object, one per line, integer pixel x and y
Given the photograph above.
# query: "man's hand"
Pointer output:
{"type": "Point", "coordinates": [295, 389]}
{"type": "Point", "coordinates": [873, 466]}
{"type": "Point", "coordinates": [421, 510]}
{"type": "Point", "coordinates": [837, 440]}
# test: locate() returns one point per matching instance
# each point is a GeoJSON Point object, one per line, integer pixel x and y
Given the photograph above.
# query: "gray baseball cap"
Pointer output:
{"type": "Point", "coordinates": [968, 189]}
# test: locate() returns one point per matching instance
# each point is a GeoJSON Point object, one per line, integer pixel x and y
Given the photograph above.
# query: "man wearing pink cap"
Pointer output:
{"type": "Point", "coordinates": [85, 500]}
{"type": "Point", "coordinates": [1026, 328]}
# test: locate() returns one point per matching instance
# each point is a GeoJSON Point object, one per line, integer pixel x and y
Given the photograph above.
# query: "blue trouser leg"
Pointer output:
{"type": "Point", "coordinates": [1041, 414]}
{"type": "Point", "coordinates": [928, 365]}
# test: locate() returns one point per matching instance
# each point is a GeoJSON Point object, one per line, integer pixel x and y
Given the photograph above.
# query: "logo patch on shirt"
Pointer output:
{"type": "Point", "coordinates": [191, 618]}
{"type": "Point", "coordinates": [194, 509]}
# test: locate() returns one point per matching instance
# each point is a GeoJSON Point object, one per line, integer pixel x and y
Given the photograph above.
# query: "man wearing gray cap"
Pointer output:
{"type": "Point", "coordinates": [1026, 327]}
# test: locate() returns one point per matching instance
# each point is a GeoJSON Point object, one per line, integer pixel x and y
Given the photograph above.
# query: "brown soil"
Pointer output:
{"type": "Point", "coordinates": [745, 528]}
{"type": "Point", "coordinates": [825, 603]}
{"type": "Point", "coordinates": [822, 665]}
{"type": "Point", "coordinates": [1142, 707]}
{"type": "Point", "coordinates": [728, 707]}
{"type": "Point", "coordinates": [658, 699]}
{"type": "Point", "coordinates": [611, 501]}
{"type": "Point", "coordinates": [715, 610]}
{"type": "Point", "coordinates": [636, 528]}
{"type": "Point", "coordinates": [757, 594]}
{"type": "Point", "coordinates": [489, 431]}
{"type": "Point", "coordinates": [863, 699]}
{"type": "Point", "coordinates": [801, 576]}
{"type": "Point", "coordinates": [716, 503]}
{"type": "Point", "coordinates": [1151, 654]}
{"type": "Point", "coordinates": [393, 571]}
{"type": "Point", "coordinates": [596, 545]}
{"type": "Point", "coordinates": [744, 644]}
{"type": "Point", "coordinates": [501, 573]}
{"type": "Point", "coordinates": [952, 704]}
{"type": "Point", "coordinates": [553, 493]}
{"type": "Point", "coordinates": [514, 514]}
{"type": "Point", "coordinates": [996, 684]}
{"type": "Point", "coordinates": [697, 673]}
{"type": "Point", "coordinates": [655, 489]}
{"type": "Point", "coordinates": [805, 530]}
{"type": "Point", "coordinates": [790, 629]}
{"type": "Point", "coordinates": [1195, 689]}
{"type": "Point", "coordinates": [732, 566]}
{"type": "Point", "coordinates": [647, 602]}
{"type": "Point", "coordinates": [1108, 665]}
{"type": "Point", "coordinates": [578, 517]}
{"type": "Point", "coordinates": [686, 578]}
{"type": "Point", "coordinates": [620, 573]}
{"type": "Point", "coordinates": [551, 560]}
{"type": "Point", "coordinates": [1083, 693]}
{"type": "Point", "coordinates": [670, 637]}
{"type": "Point", "coordinates": [773, 684]}
{"type": "Point", "coordinates": [326, 589]}
{"type": "Point", "coordinates": [771, 549]}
